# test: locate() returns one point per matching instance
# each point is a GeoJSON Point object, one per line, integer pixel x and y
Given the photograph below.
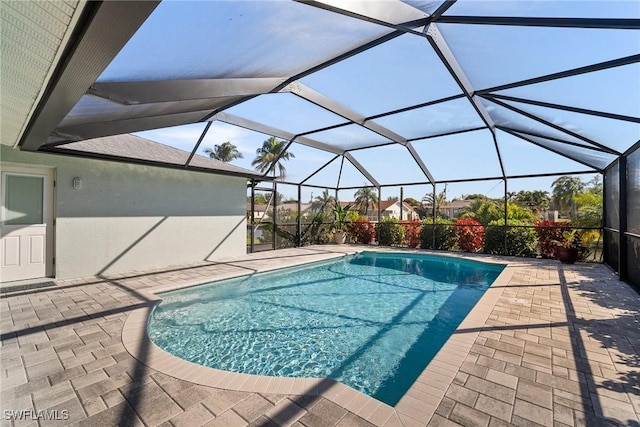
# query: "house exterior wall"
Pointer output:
{"type": "Point", "coordinates": [394, 211]}
{"type": "Point", "coordinates": [131, 217]}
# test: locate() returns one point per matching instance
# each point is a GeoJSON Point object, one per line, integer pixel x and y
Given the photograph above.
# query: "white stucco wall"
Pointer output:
{"type": "Point", "coordinates": [394, 211]}
{"type": "Point", "coordinates": [132, 217]}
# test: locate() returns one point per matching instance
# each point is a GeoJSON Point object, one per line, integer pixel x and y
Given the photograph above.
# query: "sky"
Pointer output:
{"type": "Point", "coordinates": [186, 40]}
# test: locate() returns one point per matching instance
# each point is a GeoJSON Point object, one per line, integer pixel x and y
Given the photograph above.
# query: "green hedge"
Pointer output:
{"type": "Point", "coordinates": [390, 232]}
{"type": "Point", "coordinates": [521, 241]}
{"type": "Point", "coordinates": [445, 234]}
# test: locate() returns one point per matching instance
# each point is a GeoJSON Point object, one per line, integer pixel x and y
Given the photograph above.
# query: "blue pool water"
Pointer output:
{"type": "Point", "coordinates": [372, 321]}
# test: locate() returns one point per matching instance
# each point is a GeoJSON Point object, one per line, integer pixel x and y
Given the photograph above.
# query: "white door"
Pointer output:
{"type": "Point", "coordinates": [26, 223]}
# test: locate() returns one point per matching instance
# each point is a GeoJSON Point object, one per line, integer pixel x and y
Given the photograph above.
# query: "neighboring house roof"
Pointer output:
{"type": "Point", "coordinates": [257, 208]}
{"type": "Point", "coordinates": [134, 147]}
{"type": "Point", "coordinates": [294, 206]}
{"type": "Point", "coordinates": [454, 204]}
{"type": "Point", "coordinates": [291, 206]}
{"type": "Point", "coordinates": [386, 204]}
{"type": "Point", "coordinates": [457, 204]}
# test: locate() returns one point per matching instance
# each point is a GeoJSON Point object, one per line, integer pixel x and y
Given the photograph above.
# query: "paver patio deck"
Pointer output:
{"type": "Point", "coordinates": [549, 345]}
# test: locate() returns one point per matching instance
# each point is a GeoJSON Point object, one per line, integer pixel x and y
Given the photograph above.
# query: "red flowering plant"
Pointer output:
{"type": "Point", "coordinates": [362, 230]}
{"type": "Point", "coordinates": [412, 233]}
{"type": "Point", "coordinates": [549, 233]}
{"type": "Point", "coordinates": [470, 234]}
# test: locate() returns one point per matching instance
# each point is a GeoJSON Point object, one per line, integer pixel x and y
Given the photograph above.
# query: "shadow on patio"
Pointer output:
{"type": "Point", "coordinates": [62, 348]}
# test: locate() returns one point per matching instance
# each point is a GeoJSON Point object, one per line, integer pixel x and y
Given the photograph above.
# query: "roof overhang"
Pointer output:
{"type": "Point", "coordinates": [101, 32]}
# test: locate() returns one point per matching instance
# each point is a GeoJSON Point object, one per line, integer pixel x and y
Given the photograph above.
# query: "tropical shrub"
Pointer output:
{"type": "Point", "coordinates": [318, 231]}
{"type": "Point", "coordinates": [521, 241]}
{"type": "Point", "coordinates": [484, 211]}
{"type": "Point", "coordinates": [517, 213]}
{"type": "Point", "coordinates": [470, 234]}
{"type": "Point", "coordinates": [412, 233]}
{"type": "Point", "coordinates": [548, 233]}
{"type": "Point", "coordinates": [286, 235]}
{"type": "Point", "coordinates": [390, 232]}
{"type": "Point", "coordinates": [340, 216]}
{"type": "Point", "coordinates": [589, 214]}
{"type": "Point", "coordinates": [362, 230]}
{"type": "Point", "coordinates": [445, 236]}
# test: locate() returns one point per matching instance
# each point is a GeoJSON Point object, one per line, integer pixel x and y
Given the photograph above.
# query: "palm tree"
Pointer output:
{"type": "Point", "coordinates": [365, 197]}
{"type": "Point", "coordinates": [437, 203]}
{"type": "Point", "coordinates": [321, 201]}
{"type": "Point", "coordinates": [224, 152]}
{"type": "Point", "coordinates": [536, 201]}
{"type": "Point", "coordinates": [565, 189]}
{"type": "Point", "coordinates": [272, 151]}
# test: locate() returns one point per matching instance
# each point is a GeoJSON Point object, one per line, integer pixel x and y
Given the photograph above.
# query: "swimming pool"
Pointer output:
{"type": "Point", "coordinates": [372, 321]}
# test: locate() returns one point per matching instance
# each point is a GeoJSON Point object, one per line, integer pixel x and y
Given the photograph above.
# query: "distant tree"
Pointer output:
{"type": "Point", "coordinates": [564, 191]}
{"type": "Point", "coordinates": [438, 202]}
{"type": "Point", "coordinates": [364, 198]}
{"type": "Point", "coordinates": [474, 197]}
{"type": "Point", "coordinates": [589, 212]}
{"type": "Point", "coordinates": [224, 152]}
{"type": "Point", "coordinates": [260, 199]}
{"type": "Point", "coordinates": [273, 153]}
{"type": "Point", "coordinates": [518, 213]}
{"type": "Point", "coordinates": [536, 201]}
{"type": "Point", "coordinates": [483, 211]}
{"type": "Point", "coordinates": [272, 150]}
{"type": "Point", "coordinates": [413, 202]}
{"type": "Point", "coordinates": [264, 198]}
{"type": "Point", "coordinates": [487, 211]}
{"type": "Point", "coordinates": [322, 201]}
{"type": "Point", "coordinates": [595, 185]}
{"type": "Point", "coordinates": [588, 209]}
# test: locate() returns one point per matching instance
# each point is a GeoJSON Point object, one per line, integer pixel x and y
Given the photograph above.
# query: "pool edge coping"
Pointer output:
{"type": "Point", "coordinates": [417, 405]}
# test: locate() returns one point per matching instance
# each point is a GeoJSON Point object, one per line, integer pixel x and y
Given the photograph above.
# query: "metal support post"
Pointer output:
{"type": "Point", "coordinates": [253, 215]}
{"type": "Point", "coordinates": [623, 261]}
{"type": "Point", "coordinates": [433, 215]}
{"type": "Point", "coordinates": [401, 199]}
{"type": "Point", "coordinates": [506, 218]}
{"type": "Point", "coordinates": [299, 221]}
{"type": "Point", "coordinates": [275, 214]}
{"type": "Point", "coordinates": [379, 204]}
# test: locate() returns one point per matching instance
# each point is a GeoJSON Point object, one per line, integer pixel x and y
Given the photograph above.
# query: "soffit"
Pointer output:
{"type": "Point", "coordinates": [34, 36]}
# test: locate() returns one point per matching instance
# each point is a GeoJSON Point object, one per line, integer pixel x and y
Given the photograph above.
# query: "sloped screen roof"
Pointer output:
{"type": "Point", "coordinates": [437, 90]}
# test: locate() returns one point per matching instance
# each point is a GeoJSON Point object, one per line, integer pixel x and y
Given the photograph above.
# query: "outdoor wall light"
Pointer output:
{"type": "Point", "coordinates": [77, 183]}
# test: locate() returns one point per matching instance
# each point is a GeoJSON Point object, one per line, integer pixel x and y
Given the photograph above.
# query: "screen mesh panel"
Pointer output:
{"type": "Point", "coordinates": [633, 217]}
{"type": "Point", "coordinates": [347, 76]}
{"type": "Point", "coordinates": [612, 216]}
{"type": "Point", "coordinates": [633, 192]}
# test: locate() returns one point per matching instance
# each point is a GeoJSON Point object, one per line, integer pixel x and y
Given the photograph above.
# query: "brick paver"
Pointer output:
{"type": "Point", "coordinates": [559, 345]}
